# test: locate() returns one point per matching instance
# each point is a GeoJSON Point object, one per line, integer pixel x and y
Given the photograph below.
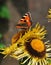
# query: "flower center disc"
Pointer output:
{"type": "Point", "coordinates": [37, 45]}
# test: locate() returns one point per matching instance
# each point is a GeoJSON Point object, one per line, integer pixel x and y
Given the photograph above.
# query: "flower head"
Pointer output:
{"type": "Point", "coordinates": [32, 49]}
{"type": "Point", "coordinates": [49, 15]}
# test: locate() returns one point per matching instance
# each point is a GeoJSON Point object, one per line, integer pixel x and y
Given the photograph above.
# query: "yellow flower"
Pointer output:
{"type": "Point", "coordinates": [49, 15]}
{"type": "Point", "coordinates": [32, 47]}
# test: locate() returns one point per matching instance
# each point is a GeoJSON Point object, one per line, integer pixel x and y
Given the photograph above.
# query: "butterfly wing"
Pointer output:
{"type": "Point", "coordinates": [17, 36]}
{"type": "Point", "coordinates": [25, 22]}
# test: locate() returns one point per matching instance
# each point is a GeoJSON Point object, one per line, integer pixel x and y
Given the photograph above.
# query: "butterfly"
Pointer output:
{"type": "Point", "coordinates": [25, 22]}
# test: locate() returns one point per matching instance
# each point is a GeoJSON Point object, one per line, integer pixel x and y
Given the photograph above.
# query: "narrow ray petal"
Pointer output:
{"type": "Point", "coordinates": [33, 61]}
{"type": "Point", "coordinates": [47, 42]}
{"type": "Point", "coordinates": [23, 55]}
{"type": "Point", "coordinates": [42, 29]}
{"type": "Point", "coordinates": [45, 62]}
{"type": "Point", "coordinates": [40, 63]}
{"type": "Point", "coordinates": [26, 60]}
{"type": "Point", "coordinates": [36, 63]}
{"type": "Point", "coordinates": [49, 49]}
{"type": "Point", "coordinates": [29, 62]}
{"type": "Point", "coordinates": [49, 55]}
{"type": "Point", "coordinates": [18, 52]}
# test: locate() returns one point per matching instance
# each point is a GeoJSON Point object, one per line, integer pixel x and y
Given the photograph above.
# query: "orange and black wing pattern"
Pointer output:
{"type": "Point", "coordinates": [25, 22]}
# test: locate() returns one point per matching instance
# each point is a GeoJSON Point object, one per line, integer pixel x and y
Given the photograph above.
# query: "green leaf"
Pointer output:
{"type": "Point", "coordinates": [0, 36]}
{"type": "Point", "coordinates": [2, 46]}
{"type": "Point", "coordinates": [49, 61]}
{"type": "Point", "coordinates": [4, 13]}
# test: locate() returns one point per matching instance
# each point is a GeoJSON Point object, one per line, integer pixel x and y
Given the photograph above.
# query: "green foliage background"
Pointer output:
{"type": "Point", "coordinates": [4, 12]}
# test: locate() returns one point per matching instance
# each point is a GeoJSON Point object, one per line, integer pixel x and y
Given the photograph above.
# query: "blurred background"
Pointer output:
{"type": "Point", "coordinates": [11, 12]}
